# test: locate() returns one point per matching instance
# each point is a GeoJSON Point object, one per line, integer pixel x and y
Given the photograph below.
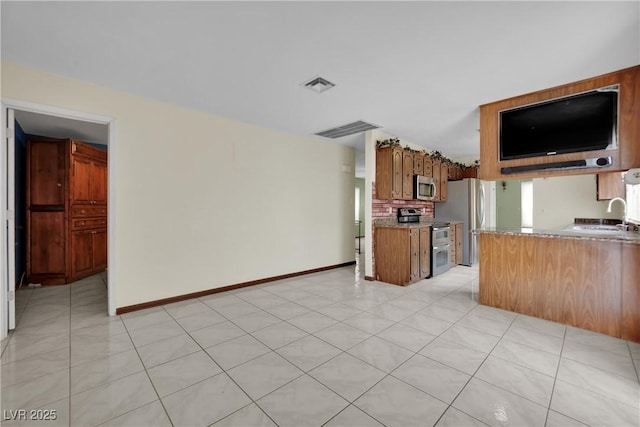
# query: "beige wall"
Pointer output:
{"type": "Point", "coordinates": [558, 201]}
{"type": "Point", "coordinates": [203, 201]}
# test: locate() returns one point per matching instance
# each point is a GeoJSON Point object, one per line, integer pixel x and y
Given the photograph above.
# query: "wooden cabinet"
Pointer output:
{"type": "Point", "coordinates": [89, 251]}
{"type": "Point", "coordinates": [427, 168]}
{"type": "Point", "coordinates": [436, 178]}
{"type": "Point", "coordinates": [418, 164]}
{"type": "Point", "coordinates": [407, 175]}
{"type": "Point", "coordinates": [444, 179]}
{"type": "Point", "coordinates": [610, 185]}
{"type": "Point", "coordinates": [403, 254]}
{"type": "Point", "coordinates": [586, 283]}
{"type": "Point", "coordinates": [440, 178]}
{"type": "Point", "coordinates": [66, 210]}
{"type": "Point", "coordinates": [626, 156]}
{"type": "Point", "coordinates": [456, 256]}
{"type": "Point", "coordinates": [394, 173]}
{"type": "Point", "coordinates": [630, 292]}
{"type": "Point", "coordinates": [425, 252]}
{"type": "Point", "coordinates": [459, 254]}
{"type": "Point", "coordinates": [389, 173]}
{"type": "Point", "coordinates": [395, 168]}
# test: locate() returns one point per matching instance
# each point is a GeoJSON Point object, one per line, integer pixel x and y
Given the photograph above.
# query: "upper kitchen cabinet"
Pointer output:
{"type": "Point", "coordinates": [418, 164]}
{"type": "Point", "coordinates": [395, 168]}
{"type": "Point", "coordinates": [444, 178]}
{"type": "Point", "coordinates": [610, 185]}
{"type": "Point", "coordinates": [407, 175]}
{"type": "Point", "coordinates": [440, 178]}
{"type": "Point", "coordinates": [612, 97]}
{"type": "Point", "coordinates": [394, 173]}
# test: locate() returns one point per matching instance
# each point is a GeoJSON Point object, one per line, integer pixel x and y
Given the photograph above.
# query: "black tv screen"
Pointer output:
{"type": "Point", "coordinates": [582, 122]}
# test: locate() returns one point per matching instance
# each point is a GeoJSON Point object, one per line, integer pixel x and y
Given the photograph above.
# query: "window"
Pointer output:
{"type": "Point", "coordinates": [633, 203]}
{"type": "Point", "coordinates": [526, 200]}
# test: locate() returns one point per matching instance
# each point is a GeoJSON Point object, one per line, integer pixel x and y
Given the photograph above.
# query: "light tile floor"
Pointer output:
{"type": "Point", "coordinates": [322, 349]}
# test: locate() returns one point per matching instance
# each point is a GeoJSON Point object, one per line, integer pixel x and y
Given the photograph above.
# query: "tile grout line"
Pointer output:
{"type": "Point", "coordinates": [555, 377]}
{"type": "Point", "coordinates": [144, 367]}
{"type": "Point", "coordinates": [472, 376]}
{"type": "Point", "coordinates": [633, 361]}
{"type": "Point", "coordinates": [221, 368]}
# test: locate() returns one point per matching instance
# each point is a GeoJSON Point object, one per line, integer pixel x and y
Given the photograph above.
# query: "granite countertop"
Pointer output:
{"type": "Point", "coordinates": [622, 236]}
{"type": "Point", "coordinates": [393, 223]}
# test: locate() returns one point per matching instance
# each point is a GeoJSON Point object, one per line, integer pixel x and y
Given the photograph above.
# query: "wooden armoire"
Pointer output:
{"type": "Point", "coordinates": [66, 210]}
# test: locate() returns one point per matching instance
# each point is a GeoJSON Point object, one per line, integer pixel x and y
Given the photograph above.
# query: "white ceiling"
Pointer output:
{"type": "Point", "coordinates": [60, 127]}
{"type": "Point", "coordinates": [418, 69]}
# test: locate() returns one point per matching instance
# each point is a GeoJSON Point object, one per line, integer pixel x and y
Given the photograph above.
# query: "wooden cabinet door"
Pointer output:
{"type": "Point", "coordinates": [396, 166]}
{"type": "Point", "coordinates": [452, 245]}
{"type": "Point", "coordinates": [414, 248]}
{"type": "Point", "coordinates": [425, 252]}
{"type": "Point", "coordinates": [46, 246]}
{"type": "Point", "coordinates": [436, 179]}
{"type": "Point", "coordinates": [81, 172]}
{"type": "Point", "coordinates": [610, 185]}
{"type": "Point", "coordinates": [81, 253]}
{"type": "Point", "coordinates": [427, 169]}
{"type": "Point", "coordinates": [444, 179]}
{"type": "Point", "coordinates": [99, 183]}
{"type": "Point", "coordinates": [46, 180]}
{"type": "Point", "coordinates": [407, 175]}
{"type": "Point", "coordinates": [99, 249]}
{"type": "Point", "coordinates": [418, 164]}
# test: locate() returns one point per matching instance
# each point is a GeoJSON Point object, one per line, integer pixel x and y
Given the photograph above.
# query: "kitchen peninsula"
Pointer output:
{"type": "Point", "coordinates": [586, 280]}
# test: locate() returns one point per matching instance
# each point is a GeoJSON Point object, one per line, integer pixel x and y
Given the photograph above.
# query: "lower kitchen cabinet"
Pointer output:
{"type": "Point", "coordinates": [456, 256]}
{"type": "Point", "coordinates": [403, 254]}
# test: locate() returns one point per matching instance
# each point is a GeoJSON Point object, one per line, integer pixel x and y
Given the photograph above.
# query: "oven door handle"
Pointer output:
{"type": "Point", "coordinates": [435, 248]}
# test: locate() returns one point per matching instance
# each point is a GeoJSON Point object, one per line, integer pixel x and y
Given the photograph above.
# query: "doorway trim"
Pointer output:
{"type": "Point", "coordinates": [110, 122]}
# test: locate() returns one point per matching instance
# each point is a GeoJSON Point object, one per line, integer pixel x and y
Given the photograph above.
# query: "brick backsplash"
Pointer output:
{"type": "Point", "coordinates": [380, 209]}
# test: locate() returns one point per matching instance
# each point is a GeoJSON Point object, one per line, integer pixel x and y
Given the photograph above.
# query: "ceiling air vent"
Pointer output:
{"type": "Point", "coordinates": [318, 84]}
{"type": "Point", "coordinates": [349, 129]}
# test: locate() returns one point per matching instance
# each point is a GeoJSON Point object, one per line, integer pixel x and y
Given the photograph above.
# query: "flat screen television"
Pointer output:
{"type": "Point", "coordinates": [583, 122]}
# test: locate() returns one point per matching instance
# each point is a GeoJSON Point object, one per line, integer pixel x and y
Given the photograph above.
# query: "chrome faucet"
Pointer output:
{"type": "Point", "coordinates": [624, 206]}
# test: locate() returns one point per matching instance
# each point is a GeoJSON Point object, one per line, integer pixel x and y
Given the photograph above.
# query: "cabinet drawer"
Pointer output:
{"type": "Point", "coordinates": [80, 224]}
{"type": "Point", "coordinates": [88, 211]}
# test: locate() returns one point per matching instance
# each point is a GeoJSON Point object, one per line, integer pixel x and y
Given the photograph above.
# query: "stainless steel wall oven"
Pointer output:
{"type": "Point", "coordinates": [440, 247]}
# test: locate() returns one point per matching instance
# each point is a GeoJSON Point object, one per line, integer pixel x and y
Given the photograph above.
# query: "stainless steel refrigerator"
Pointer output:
{"type": "Point", "coordinates": [466, 202]}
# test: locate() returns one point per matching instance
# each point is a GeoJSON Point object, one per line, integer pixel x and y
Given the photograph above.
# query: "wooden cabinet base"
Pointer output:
{"type": "Point", "coordinates": [403, 255]}
{"type": "Point", "coordinates": [589, 284]}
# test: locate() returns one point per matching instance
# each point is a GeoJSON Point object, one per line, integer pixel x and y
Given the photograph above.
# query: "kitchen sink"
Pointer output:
{"type": "Point", "coordinates": [595, 229]}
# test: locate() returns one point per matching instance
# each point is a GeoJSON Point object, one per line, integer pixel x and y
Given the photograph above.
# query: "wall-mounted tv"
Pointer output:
{"type": "Point", "coordinates": [583, 122]}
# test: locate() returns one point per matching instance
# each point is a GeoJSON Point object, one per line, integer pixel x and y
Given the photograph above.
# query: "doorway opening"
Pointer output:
{"type": "Point", "coordinates": [30, 121]}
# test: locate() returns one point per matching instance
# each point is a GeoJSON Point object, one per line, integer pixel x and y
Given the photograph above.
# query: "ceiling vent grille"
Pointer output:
{"type": "Point", "coordinates": [349, 129]}
{"type": "Point", "coordinates": [318, 84]}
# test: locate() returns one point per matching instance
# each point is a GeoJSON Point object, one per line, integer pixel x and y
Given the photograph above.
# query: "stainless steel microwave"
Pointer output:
{"type": "Point", "coordinates": [424, 188]}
